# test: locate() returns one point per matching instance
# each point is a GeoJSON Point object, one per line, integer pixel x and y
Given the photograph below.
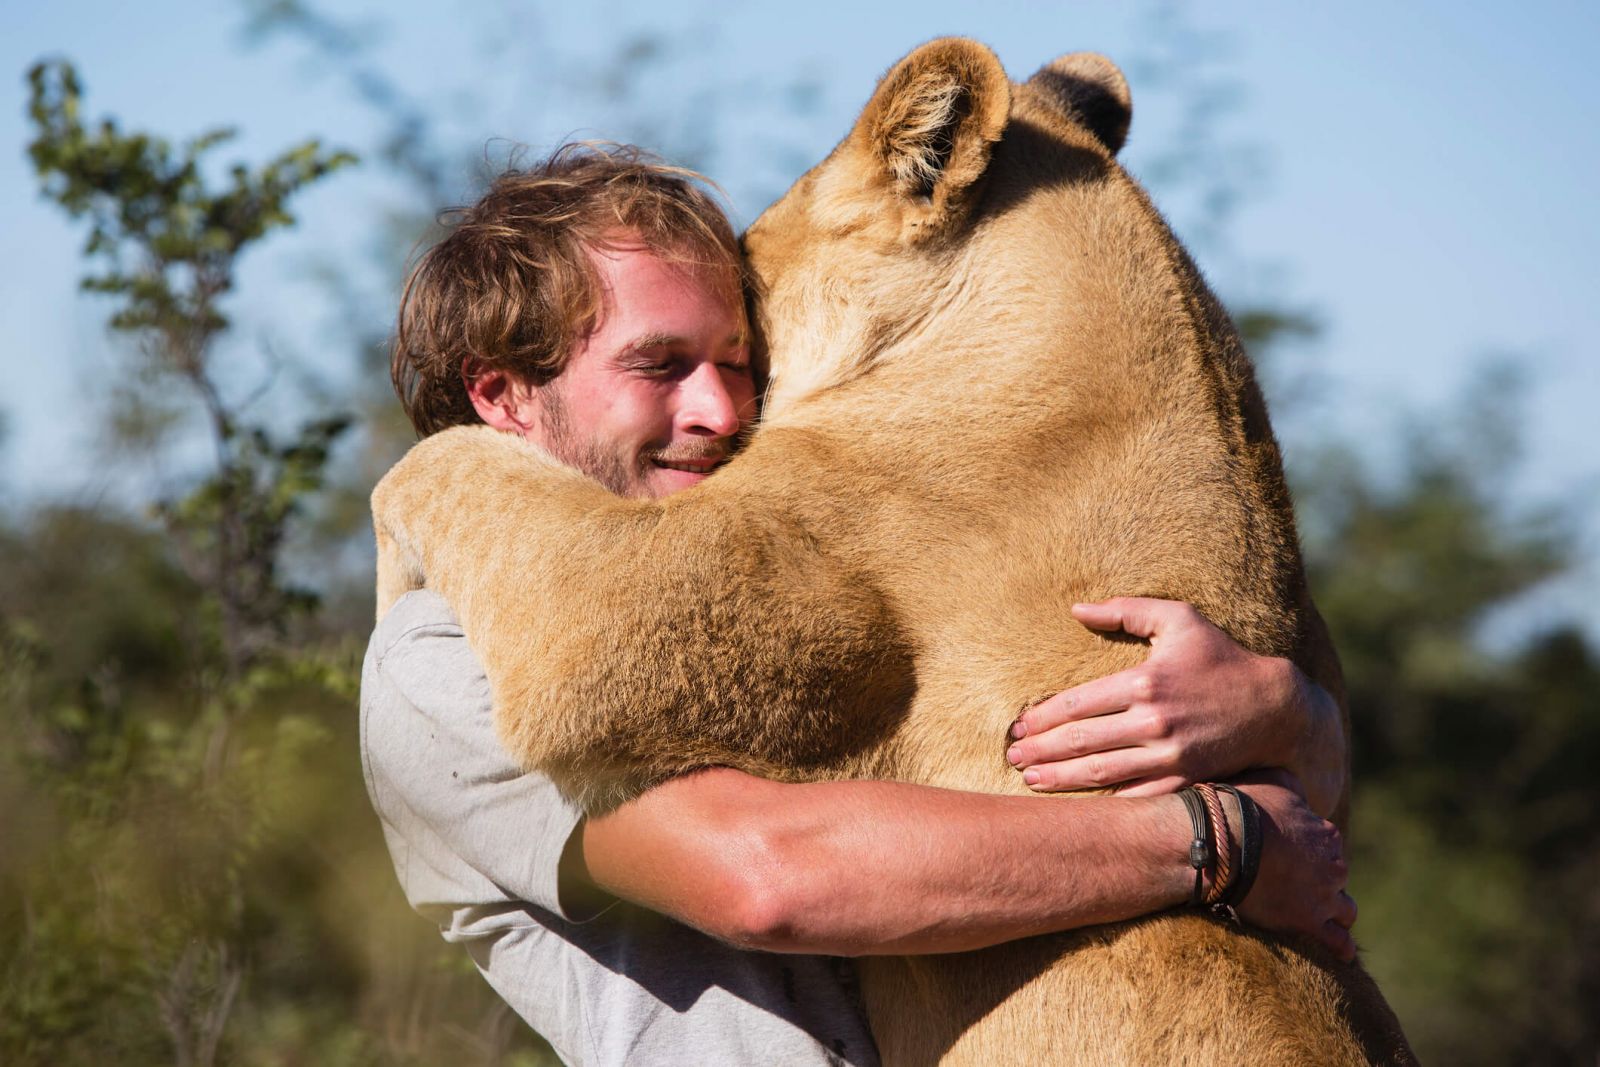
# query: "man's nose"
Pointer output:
{"type": "Point", "coordinates": [706, 405]}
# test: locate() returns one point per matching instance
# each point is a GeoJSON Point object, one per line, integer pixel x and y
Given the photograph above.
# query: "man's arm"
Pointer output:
{"type": "Point", "coordinates": [852, 867]}
{"type": "Point", "coordinates": [869, 867]}
{"type": "Point", "coordinates": [1200, 708]}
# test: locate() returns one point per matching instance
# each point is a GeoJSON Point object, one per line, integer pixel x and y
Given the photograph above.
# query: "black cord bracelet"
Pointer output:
{"type": "Point", "coordinates": [1200, 854]}
{"type": "Point", "coordinates": [1249, 848]}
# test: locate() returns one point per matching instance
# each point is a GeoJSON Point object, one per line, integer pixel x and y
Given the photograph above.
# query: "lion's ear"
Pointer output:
{"type": "Point", "coordinates": [1092, 92]}
{"type": "Point", "coordinates": [924, 138]}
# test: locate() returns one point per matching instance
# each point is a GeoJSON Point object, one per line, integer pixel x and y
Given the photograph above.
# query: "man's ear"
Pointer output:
{"type": "Point", "coordinates": [500, 399]}
{"type": "Point", "coordinates": [924, 137]}
{"type": "Point", "coordinates": [1091, 91]}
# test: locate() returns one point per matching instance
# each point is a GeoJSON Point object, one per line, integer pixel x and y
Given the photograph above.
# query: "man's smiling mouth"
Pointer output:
{"type": "Point", "coordinates": [691, 466]}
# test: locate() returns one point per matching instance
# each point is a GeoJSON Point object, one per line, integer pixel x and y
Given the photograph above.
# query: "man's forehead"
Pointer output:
{"type": "Point", "coordinates": [645, 302]}
{"type": "Point", "coordinates": [636, 265]}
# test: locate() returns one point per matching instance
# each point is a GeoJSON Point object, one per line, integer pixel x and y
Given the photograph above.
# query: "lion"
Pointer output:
{"type": "Point", "coordinates": [997, 386]}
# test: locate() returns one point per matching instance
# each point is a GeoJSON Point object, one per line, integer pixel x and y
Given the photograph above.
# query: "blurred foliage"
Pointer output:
{"type": "Point", "coordinates": [168, 240]}
{"type": "Point", "coordinates": [139, 900]}
{"type": "Point", "coordinates": [1476, 832]}
{"type": "Point", "coordinates": [192, 872]}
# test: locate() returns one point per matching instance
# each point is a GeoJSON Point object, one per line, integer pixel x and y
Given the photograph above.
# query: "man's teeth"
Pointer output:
{"type": "Point", "coordinates": [704, 466]}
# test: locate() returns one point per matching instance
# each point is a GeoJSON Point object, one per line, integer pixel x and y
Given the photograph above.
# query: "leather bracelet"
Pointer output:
{"type": "Point", "coordinates": [1200, 854]}
{"type": "Point", "coordinates": [1221, 843]}
{"type": "Point", "coordinates": [1249, 848]}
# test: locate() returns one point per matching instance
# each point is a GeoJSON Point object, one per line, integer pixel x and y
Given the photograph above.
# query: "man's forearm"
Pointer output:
{"type": "Point", "coordinates": [866, 867]}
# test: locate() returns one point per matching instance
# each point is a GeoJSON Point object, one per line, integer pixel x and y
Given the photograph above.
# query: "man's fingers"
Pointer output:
{"type": "Point", "coordinates": [1154, 786]}
{"type": "Point", "coordinates": [1138, 615]}
{"type": "Point", "coordinates": [1338, 939]}
{"type": "Point", "coordinates": [1105, 615]}
{"type": "Point", "coordinates": [1092, 772]}
{"type": "Point", "coordinates": [1102, 696]}
{"type": "Point", "coordinates": [1079, 738]}
{"type": "Point", "coordinates": [1344, 910]}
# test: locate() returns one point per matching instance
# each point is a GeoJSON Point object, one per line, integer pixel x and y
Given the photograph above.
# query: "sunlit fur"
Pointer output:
{"type": "Point", "coordinates": [998, 386]}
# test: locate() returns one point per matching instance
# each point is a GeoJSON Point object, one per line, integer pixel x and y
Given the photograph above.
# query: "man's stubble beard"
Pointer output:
{"type": "Point", "coordinates": [585, 453]}
{"type": "Point", "coordinates": [607, 466]}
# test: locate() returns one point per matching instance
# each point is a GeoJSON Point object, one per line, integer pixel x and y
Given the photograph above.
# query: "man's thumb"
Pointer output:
{"type": "Point", "coordinates": [1137, 615]}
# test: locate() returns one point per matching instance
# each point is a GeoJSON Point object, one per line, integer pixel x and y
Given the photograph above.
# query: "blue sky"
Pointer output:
{"type": "Point", "coordinates": [1429, 188]}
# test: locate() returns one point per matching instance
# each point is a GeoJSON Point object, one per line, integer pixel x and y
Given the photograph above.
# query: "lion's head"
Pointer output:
{"type": "Point", "coordinates": [895, 232]}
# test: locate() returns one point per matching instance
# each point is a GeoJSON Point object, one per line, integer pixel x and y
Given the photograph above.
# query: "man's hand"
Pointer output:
{"type": "Point", "coordinates": [1301, 885]}
{"type": "Point", "coordinates": [1200, 708]}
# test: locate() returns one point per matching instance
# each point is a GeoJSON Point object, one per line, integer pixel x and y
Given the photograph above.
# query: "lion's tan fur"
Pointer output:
{"type": "Point", "coordinates": [998, 386]}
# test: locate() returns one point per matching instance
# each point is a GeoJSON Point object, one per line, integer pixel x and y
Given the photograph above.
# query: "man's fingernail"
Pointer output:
{"type": "Point", "coordinates": [1019, 730]}
{"type": "Point", "coordinates": [1031, 777]}
{"type": "Point", "coordinates": [1014, 755]}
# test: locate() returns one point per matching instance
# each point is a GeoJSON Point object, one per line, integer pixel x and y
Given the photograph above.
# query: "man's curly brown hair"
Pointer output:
{"type": "Point", "coordinates": [512, 286]}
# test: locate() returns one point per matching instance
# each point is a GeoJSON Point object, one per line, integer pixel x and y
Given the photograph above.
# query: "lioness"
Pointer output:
{"type": "Point", "coordinates": [997, 386]}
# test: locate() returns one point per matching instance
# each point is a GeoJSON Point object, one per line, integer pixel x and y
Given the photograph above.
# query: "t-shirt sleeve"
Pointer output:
{"type": "Point", "coordinates": [461, 817]}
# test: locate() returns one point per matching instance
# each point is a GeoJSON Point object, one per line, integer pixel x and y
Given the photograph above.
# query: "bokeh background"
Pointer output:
{"type": "Point", "coordinates": [1396, 201]}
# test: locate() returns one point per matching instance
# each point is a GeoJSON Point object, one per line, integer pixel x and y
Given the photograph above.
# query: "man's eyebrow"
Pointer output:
{"type": "Point", "coordinates": [649, 340]}
{"type": "Point", "coordinates": [660, 339]}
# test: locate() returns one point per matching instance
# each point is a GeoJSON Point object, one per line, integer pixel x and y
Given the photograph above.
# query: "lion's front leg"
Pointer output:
{"type": "Point", "coordinates": [625, 640]}
{"type": "Point", "coordinates": [399, 569]}
{"type": "Point", "coordinates": [445, 515]}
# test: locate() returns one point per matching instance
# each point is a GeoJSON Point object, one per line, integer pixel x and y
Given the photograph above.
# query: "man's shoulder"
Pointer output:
{"type": "Point", "coordinates": [420, 652]}
{"type": "Point", "coordinates": [419, 610]}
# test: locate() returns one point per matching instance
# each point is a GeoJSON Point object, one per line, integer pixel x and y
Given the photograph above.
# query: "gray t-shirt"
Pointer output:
{"type": "Point", "coordinates": [477, 846]}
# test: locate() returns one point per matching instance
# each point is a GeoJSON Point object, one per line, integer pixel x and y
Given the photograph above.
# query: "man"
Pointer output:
{"type": "Point", "coordinates": [592, 305]}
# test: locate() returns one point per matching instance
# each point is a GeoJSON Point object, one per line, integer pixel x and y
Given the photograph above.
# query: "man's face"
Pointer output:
{"type": "Point", "coordinates": [652, 400]}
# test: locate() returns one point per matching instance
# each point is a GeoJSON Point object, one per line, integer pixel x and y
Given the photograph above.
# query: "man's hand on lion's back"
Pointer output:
{"type": "Point", "coordinates": [1199, 708]}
